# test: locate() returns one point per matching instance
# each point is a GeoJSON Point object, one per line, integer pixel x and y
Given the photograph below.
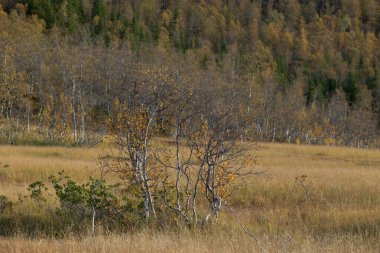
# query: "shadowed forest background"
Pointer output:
{"type": "Point", "coordinates": [299, 71]}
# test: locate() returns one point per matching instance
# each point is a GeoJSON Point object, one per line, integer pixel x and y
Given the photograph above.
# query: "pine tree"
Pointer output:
{"type": "Point", "coordinates": [45, 9]}
{"type": "Point", "coordinates": [98, 16]}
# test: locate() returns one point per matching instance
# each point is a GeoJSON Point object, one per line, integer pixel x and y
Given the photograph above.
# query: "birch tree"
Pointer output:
{"type": "Point", "coordinates": [133, 125]}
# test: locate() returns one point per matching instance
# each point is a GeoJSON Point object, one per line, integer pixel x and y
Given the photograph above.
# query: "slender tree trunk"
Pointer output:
{"type": "Point", "coordinates": [178, 158]}
{"type": "Point", "coordinates": [10, 130]}
{"type": "Point", "coordinates": [274, 131]}
{"type": "Point", "coordinates": [28, 123]}
{"type": "Point", "coordinates": [93, 221]}
{"type": "Point", "coordinates": [75, 124]}
{"type": "Point", "coordinates": [146, 207]}
{"type": "Point", "coordinates": [82, 125]}
{"type": "Point", "coordinates": [195, 215]}
{"type": "Point", "coordinates": [144, 167]}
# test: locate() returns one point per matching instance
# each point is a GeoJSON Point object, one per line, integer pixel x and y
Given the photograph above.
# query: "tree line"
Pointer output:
{"type": "Point", "coordinates": [292, 71]}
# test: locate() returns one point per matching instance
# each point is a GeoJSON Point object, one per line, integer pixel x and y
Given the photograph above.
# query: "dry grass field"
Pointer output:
{"type": "Point", "coordinates": [335, 209]}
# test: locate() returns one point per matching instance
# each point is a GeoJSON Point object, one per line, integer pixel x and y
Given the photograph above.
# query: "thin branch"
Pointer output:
{"type": "Point", "coordinates": [246, 231]}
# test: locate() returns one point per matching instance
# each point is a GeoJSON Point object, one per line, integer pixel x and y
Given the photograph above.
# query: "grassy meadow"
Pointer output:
{"type": "Point", "coordinates": [335, 207]}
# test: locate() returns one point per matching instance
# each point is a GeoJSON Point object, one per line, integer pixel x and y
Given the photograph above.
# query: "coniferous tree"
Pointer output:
{"type": "Point", "coordinates": [98, 16]}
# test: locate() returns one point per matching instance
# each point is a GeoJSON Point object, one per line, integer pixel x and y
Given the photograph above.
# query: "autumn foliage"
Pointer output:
{"type": "Point", "coordinates": [300, 71]}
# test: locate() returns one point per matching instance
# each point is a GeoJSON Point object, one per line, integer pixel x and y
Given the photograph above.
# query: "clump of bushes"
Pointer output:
{"type": "Point", "coordinates": [77, 208]}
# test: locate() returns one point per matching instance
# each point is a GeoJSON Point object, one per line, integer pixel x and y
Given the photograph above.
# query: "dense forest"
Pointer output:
{"type": "Point", "coordinates": [300, 71]}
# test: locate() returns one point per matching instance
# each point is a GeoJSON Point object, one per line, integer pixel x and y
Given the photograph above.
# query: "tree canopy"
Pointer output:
{"type": "Point", "coordinates": [308, 59]}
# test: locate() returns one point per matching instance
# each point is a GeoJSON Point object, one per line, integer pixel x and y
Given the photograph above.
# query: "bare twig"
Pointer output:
{"type": "Point", "coordinates": [245, 230]}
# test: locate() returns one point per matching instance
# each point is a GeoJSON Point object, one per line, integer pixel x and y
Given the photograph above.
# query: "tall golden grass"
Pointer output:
{"type": "Point", "coordinates": [335, 209]}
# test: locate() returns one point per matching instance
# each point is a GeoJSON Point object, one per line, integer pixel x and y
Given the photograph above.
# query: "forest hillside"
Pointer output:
{"type": "Point", "coordinates": [299, 71]}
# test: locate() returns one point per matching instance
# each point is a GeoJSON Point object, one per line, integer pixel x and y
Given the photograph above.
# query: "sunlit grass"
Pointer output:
{"type": "Point", "coordinates": [339, 213]}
